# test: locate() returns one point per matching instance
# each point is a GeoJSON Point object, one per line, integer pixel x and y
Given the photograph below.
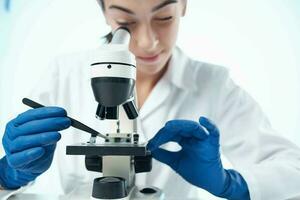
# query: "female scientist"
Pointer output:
{"type": "Point", "coordinates": [173, 92]}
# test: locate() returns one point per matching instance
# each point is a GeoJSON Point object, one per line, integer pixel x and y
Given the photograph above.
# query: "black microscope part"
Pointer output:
{"type": "Point", "coordinates": [100, 111]}
{"type": "Point", "coordinates": [109, 187]}
{"type": "Point", "coordinates": [130, 110]}
{"type": "Point", "coordinates": [141, 163]}
{"type": "Point", "coordinates": [148, 191]}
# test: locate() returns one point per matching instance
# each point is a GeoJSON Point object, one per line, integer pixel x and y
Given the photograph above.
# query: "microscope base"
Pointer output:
{"type": "Point", "coordinates": [149, 193]}
{"type": "Point", "coordinates": [118, 162]}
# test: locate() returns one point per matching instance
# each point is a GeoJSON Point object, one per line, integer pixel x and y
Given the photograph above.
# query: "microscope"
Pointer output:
{"type": "Point", "coordinates": [121, 155]}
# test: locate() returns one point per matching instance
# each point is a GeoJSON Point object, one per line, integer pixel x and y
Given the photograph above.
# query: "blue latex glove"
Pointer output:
{"type": "Point", "coordinates": [29, 142]}
{"type": "Point", "coordinates": [198, 161]}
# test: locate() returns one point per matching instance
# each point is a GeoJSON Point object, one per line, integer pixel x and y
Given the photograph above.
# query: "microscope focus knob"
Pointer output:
{"type": "Point", "coordinates": [109, 187]}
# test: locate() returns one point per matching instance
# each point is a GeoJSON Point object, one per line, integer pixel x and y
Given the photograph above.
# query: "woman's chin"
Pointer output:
{"type": "Point", "coordinates": [149, 70]}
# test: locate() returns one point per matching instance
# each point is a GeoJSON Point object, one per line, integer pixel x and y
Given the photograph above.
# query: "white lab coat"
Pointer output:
{"type": "Point", "coordinates": [189, 89]}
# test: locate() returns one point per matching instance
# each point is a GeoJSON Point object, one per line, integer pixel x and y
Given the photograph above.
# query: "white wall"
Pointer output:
{"type": "Point", "coordinates": [259, 41]}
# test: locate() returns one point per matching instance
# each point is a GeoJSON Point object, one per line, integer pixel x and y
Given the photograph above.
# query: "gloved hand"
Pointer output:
{"type": "Point", "coordinates": [198, 161]}
{"type": "Point", "coordinates": [29, 142]}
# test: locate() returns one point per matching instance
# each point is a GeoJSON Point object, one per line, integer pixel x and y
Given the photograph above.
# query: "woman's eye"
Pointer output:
{"type": "Point", "coordinates": [164, 18]}
{"type": "Point", "coordinates": [125, 23]}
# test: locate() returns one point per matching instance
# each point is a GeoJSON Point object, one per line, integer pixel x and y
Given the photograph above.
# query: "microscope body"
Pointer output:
{"type": "Point", "coordinates": [121, 155]}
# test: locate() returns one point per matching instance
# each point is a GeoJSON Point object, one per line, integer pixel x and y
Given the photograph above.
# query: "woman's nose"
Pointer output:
{"type": "Point", "coordinates": [146, 38]}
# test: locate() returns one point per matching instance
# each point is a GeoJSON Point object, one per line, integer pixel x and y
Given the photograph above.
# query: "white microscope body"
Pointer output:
{"type": "Point", "coordinates": [121, 156]}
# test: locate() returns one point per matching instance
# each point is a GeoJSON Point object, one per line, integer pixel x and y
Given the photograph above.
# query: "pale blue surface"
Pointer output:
{"type": "Point", "coordinates": [7, 5]}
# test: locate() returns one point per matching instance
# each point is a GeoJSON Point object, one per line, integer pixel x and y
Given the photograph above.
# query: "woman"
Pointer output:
{"type": "Point", "coordinates": [173, 92]}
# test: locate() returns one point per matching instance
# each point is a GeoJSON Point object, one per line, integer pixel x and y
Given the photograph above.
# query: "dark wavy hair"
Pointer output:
{"type": "Point", "coordinates": [109, 36]}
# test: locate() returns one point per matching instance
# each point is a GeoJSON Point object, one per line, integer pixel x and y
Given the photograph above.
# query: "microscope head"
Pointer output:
{"type": "Point", "coordinates": [113, 76]}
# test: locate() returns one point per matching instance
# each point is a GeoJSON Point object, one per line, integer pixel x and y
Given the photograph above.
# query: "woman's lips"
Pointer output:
{"type": "Point", "coordinates": [148, 59]}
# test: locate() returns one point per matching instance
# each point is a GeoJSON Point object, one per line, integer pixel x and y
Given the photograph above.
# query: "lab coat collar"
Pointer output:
{"type": "Point", "coordinates": [177, 70]}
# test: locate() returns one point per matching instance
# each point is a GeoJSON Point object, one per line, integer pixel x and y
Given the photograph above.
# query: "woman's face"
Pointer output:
{"type": "Point", "coordinates": [153, 25]}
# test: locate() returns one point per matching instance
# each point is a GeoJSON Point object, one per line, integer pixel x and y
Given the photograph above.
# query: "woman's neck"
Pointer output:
{"type": "Point", "coordinates": [145, 83]}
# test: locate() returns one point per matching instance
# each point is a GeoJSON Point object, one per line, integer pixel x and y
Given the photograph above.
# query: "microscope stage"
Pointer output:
{"type": "Point", "coordinates": [107, 149]}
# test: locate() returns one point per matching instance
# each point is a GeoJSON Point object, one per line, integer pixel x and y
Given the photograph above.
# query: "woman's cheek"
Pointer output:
{"type": "Point", "coordinates": [168, 35]}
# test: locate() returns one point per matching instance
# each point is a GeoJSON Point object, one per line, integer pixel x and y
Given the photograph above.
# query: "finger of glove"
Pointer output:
{"type": "Point", "coordinates": [187, 128]}
{"type": "Point", "coordinates": [175, 131]}
{"type": "Point", "coordinates": [50, 148]}
{"type": "Point", "coordinates": [39, 126]}
{"type": "Point", "coordinates": [22, 143]}
{"type": "Point", "coordinates": [163, 136]}
{"type": "Point", "coordinates": [40, 165]}
{"type": "Point", "coordinates": [21, 159]}
{"type": "Point", "coordinates": [167, 157]}
{"type": "Point", "coordinates": [39, 113]}
{"type": "Point", "coordinates": [214, 133]}
{"type": "Point", "coordinates": [6, 144]}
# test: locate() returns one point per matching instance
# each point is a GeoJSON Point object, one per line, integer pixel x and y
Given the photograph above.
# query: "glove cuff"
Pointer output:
{"type": "Point", "coordinates": [235, 187]}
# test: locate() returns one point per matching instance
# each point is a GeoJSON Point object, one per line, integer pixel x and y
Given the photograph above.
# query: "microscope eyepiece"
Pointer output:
{"type": "Point", "coordinates": [124, 28]}
{"type": "Point", "coordinates": [121, 36]}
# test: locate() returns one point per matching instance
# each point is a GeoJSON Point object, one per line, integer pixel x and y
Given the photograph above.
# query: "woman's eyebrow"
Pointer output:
{"type": "Point", "coordinates": [121, 9]}
{"type": "Point", "coordinates": [159, 6]}
{"type": "Point", "coordinates": [163, 4]}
